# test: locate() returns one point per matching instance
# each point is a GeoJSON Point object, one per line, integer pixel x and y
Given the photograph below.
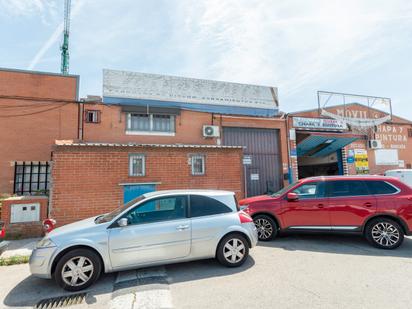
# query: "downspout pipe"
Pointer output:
{"type": "Point", "coordinates": [290, 170]}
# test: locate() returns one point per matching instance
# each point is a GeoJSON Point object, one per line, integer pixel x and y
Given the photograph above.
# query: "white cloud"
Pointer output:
{"type": "Point", "coordinates": [289, 44]}
{"type": "Point", "coordinates": [27, 7]}
{"type": "Point", "coordinates": [299, 46]}
{"type": "Point", "coordinates": [54, 37]}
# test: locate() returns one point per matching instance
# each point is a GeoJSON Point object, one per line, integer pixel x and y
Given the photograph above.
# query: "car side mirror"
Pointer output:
{"type": "Point", "coordinates": [122, 222]}
{"type": "Point", "coordinates": [292, 196]}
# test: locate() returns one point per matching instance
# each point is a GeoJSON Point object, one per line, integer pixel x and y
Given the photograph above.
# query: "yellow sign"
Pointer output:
{"type": "Point", "coordinates": [361, 161]}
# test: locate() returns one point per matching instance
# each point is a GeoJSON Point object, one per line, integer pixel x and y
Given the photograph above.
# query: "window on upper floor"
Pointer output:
{"type": "Point", "coordinates": [150, 123]}
{"type": "Point", "coordinates": [92, 116]}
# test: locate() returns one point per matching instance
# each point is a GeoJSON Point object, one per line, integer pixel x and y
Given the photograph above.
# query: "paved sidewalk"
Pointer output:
{"type": "Point", "coordinates": [21, 247]}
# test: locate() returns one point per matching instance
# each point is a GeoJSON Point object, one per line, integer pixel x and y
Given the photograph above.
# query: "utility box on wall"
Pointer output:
{"type": "Point", "coordinates": [20, 213]}
{"type": "Point", "coordinates": [23, 216]}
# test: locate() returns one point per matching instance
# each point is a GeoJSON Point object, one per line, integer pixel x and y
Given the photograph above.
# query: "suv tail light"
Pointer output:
{"type": "Point", "coordinates": [244, 217]}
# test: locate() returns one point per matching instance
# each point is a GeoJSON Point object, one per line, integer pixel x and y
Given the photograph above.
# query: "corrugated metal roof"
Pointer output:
{"type": "Point", "coordinates": [75, 144]}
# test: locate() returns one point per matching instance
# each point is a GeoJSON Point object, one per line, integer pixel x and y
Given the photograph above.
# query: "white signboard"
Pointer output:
{"type": "Point", "coordinates": [318, 123]}
{"type": "Point", "coordinates": [386, 157]}
{"type": "Point", "coordinates": [25, 213]}
{"type": "Point", "coordinates": [254, 176]}
{"type": "Point", "coordinates": [247, 160]}
{"type": "Point", "coordinates": [133, 85]}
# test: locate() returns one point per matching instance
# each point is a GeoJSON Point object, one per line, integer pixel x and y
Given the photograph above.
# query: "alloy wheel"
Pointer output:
{"type": "Point", "coordinates": [385, 234]}
{"type": "Point", "coordinates": [264, 228]}
{"type": "Point", "coordinates": [77, 271]}
{"type": "Point", "coordinates": [234, 250]}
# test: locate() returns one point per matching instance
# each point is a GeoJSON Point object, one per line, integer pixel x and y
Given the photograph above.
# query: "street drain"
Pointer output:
{"type": "Point", "coordinates": [62, 301]}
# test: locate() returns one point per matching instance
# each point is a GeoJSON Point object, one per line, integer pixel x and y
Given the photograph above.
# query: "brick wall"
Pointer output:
{"type": "Point", "coordinates": [24, 229]}
{"type": "Point", "coordinates": [34, 112]}
{"type": "Point", "coordinates": [86, 180]}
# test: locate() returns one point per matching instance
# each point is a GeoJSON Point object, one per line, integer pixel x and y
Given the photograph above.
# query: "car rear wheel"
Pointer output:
{"type": "Point", "coordinates": [384, 233]}
{"type": "Point", "coordinates": [266, 227]}
{"type": "Point", "coordinates": [233, 250]}
{"type": "Point", "coordinates": [77, 269]}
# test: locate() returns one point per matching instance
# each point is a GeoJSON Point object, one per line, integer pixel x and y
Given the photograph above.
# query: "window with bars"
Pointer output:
{"type": "Point", "coordinates": [150, 123]}
{"type": "Point", "coordinates": [409, 132]}
{"type": "Point", "coordinates": [31, 178]}
{"type": "Point", "coordinates": [198, 164]}
{"type": "Point", "coordinates": [137, 165]}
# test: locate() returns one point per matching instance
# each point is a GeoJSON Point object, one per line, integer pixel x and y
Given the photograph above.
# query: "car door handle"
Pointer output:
{"type": "Point", "coordinates": [320, 205]}
{"type": "Point", "coordinates": [182, 227]}
{"type": "Point", "coordinates": [368, 204]}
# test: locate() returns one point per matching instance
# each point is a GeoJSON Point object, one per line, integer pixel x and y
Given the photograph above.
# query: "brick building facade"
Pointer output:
{"type": "Point", "coordinates": [350, 152]}
{"type": "Point", "coordinates": [35, 110]}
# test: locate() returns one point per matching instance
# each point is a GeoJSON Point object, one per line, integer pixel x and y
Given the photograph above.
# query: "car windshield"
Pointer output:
{"type": "Point", "coordinates": [284, 190]}
{"type": "Point", "coordinates": [111, 215]}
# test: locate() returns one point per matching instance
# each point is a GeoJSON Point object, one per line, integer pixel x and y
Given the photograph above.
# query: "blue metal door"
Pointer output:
{"type": "Point", "coordinates": [132, 191]}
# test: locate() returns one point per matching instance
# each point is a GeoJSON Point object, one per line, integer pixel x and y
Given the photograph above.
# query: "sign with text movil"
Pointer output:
{"type": "Point", "coordinates": [318, 123]}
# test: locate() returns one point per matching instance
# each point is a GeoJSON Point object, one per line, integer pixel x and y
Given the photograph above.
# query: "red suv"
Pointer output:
{"type": "Point", "coordinates": [379, 207]}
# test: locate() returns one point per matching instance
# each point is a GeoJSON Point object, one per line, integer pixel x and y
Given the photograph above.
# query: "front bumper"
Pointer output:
{"type": "Point", "coordinates": [3, 246]}
{"type": "Point", "coordinates": [41, 261]}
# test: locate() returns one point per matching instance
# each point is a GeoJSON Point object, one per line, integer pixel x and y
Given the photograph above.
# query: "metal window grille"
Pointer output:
{"type": "Point", "coordinates": [31, 178]}
{"type": "Point", "coordinates": [409, 132]}
{"type": "Point", "coordinates": [198, 164]}
{"type": "Point", "coordinates": [137, 165]}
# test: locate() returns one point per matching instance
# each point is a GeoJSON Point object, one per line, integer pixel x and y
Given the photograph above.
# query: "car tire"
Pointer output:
{"type": "Point", "coordinates": [384, 233]}
{"type": "Point", "coordinates": [266, 227]}
{"type": "Point", "coordinates": [233, 250]}
{"type": "Point", "coordinates": [77, 269]}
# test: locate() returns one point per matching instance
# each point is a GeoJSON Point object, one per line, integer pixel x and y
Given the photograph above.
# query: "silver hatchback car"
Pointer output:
{"type": "Point", "coordinates": [156, 228]}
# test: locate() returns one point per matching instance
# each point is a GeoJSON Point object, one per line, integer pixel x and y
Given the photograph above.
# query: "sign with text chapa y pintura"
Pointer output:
{"type": "Point", "coordinates": [134, 85]}
{"type": "Point", "coordinates": [318, 123]}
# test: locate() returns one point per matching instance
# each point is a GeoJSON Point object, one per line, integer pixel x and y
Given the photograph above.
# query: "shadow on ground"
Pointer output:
{"type": "Point", "coordinates": [336, 243]}
{"type": "Point", "coordinates": [31, 290]}
{"type": "Point", "coordinates": [28, 292]}
{"type": "Point", "coordinates": [203, 269]}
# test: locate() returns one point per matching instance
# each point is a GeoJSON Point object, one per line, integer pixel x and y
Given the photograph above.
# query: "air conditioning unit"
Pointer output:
{"type": "Point", "coordinates": [374, 144]}
{"type": "Point", "coordinates": [211, 131]}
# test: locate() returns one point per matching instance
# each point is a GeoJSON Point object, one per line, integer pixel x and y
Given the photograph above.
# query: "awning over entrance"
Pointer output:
{"type": "Point", "coordinates": [323, 144]}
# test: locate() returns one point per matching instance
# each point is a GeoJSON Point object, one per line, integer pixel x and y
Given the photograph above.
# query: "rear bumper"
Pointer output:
{"type": "Point", "coordinates": [3, 246]}
{"type": "Point", "coordinates": [253, 234]}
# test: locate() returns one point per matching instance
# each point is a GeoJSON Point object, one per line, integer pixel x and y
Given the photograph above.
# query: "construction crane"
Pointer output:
{"type": "Point", "coordinates": [65, 45]}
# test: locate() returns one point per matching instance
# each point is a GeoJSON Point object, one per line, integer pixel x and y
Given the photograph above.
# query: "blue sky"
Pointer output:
{"type": "Point", "coordinates": [299, 46]}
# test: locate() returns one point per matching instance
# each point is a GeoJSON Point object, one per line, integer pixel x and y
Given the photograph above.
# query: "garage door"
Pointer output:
{"type": "Point", "coordinates": [264, 173]}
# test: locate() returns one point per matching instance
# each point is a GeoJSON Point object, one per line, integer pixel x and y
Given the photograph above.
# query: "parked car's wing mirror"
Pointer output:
{"type": "Point", "coordinates": [292, 196]}
{"type": "Point", "coordinates": [122, 222]}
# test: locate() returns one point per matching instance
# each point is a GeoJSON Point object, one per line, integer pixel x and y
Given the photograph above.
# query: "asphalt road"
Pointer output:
{"type": "Point", "coordinates": [316, 271]}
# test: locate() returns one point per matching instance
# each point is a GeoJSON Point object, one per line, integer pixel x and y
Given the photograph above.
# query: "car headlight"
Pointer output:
{"type": "Point", "coordinates": [45, 243]}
